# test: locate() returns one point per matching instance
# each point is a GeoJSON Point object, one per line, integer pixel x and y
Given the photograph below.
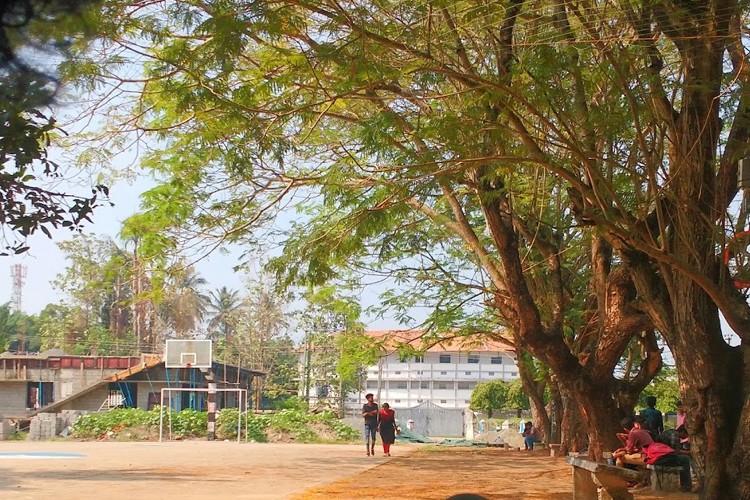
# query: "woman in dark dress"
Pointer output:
{"type": "Point", "coordinates": [387, 427]}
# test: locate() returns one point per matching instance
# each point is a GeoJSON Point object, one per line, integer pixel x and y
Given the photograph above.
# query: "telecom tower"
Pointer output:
{"type": "Point", "coordinates": [18, 274]}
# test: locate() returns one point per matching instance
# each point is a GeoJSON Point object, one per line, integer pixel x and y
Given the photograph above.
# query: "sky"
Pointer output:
{"type": "Point", "coordinates": [44, 261]}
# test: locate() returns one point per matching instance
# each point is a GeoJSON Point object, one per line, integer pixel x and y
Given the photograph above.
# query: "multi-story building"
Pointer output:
{"type": "Point", "coordinates": [445, 374]}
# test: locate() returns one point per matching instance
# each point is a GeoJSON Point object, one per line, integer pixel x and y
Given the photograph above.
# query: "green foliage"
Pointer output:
{"type": "Point", "coordinates": [293, 424]}
{"type": "Point", "coordinates": [226, 425]}
{"type": "Point", "coordinates": [489, 396]}
{"type": "Point", "coordinates": [291, 403]}
{"type": "Point", "coordinates": [31, 200]}
{"type": "Point", "coordinates": [8, 328]}
{"type": "Point", "coordinates": [341, 430]}
{"type": "Point", "coordinates": [18, 436]}
{"type": "Point", "coordinates": [666, 388]}
{"type": "Point", "coordinates": [189, 423]}
{"type": "Point", "coordinates": [95, 425]}
{"type": "Point", "coordinates": [517, 397]}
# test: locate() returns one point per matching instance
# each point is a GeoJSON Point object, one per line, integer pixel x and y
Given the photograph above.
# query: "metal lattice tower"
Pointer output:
{"type": "Point", "coordinates": [18, 274]}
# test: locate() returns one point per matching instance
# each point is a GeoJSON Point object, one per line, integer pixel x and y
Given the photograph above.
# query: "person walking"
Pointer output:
{"type": "Point", "coordinates": [387, 428]}
{"type": "Point", "coordinates": [370, 414]}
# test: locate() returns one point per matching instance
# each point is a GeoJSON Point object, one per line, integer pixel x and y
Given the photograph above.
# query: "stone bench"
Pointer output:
{"type": "Point", "coordinates": [539, 445]}
{"type": "Point", "coordinates": [601, 481]}
{"type": "Point", "coordinates": [665, 478]}
{"type": "Point", "coordinates": [554, 450]}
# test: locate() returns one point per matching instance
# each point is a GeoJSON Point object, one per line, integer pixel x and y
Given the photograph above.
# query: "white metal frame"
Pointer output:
{"type": "Point", "coordinates": [241, 394]}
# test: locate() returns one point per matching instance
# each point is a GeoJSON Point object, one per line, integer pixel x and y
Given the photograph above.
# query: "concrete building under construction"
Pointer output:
{"type": "Point", "coordinates": [52, 382]}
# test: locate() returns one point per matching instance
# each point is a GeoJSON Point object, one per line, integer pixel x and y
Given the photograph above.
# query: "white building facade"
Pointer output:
{"type": "Point", "coordinates": [443, 375]}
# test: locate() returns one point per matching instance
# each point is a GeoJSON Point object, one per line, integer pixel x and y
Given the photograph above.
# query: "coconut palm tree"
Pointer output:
{"type": "Point", "coordinates": [184, 306]}
{"type": "Point", "coordinates": [223, 306]}
{"type": "Point", "coordinates": [8, 327]}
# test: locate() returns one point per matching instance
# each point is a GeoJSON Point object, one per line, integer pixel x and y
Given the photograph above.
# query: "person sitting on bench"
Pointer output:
{"type": "Point", "coordinates": [531, 435]}
{"type": "Point", "coordinates": [637, 439]}
{"type": "Point", "coordinates": [662, 455]}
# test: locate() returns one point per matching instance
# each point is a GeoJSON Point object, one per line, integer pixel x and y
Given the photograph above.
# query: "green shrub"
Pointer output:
{"type": "Point", "coordinates": [192, 424]}
{"type": "Point", "coordinates": [294, 423]}
{"type": "Point", "coordinates": [94, 425]}
{"type": "Point", "coordinates": [226, 425]}
{"type": "Point", "coordinates": [342, 431]}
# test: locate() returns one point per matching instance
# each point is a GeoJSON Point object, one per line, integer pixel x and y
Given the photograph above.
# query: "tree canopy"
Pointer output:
{"type": "Point", "coordinates": [559, 170]}
{"type": "Point", "coordinates": [31, 198]}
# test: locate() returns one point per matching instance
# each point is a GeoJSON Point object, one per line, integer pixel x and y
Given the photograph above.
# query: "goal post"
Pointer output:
{"type": "Point", "coordinates": [241, 409]}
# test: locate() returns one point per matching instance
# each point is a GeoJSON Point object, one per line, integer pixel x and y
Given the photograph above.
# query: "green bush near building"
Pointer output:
{"type": "Point", "coordinates": [285, 425]}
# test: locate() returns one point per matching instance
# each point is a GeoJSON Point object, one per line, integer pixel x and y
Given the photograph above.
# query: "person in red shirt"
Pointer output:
{"type": "Point", "coordinates": [387, 428]}
{"type": "Point", "coordinates": [637, 439]}
{"type": "Point", "coordinates": [663, 455]}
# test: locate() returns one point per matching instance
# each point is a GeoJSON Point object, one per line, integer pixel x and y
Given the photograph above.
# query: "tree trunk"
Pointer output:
{"type": "Point", "coordinates": [555, 411]}
{"type": "Point", "coordinates": [712, 389]}
{"type": "Point", "coordinates": [573, 436]}
{"type": "Point", "coordinates": [535, 391]}
{"type": "Point", "coordinates": [739, 457]}
{"type": "Point", "coordinates": [595, 402]}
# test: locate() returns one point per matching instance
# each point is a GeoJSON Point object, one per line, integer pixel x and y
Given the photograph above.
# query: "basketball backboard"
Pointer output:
{"type": "Point", "coordinates": [188, 354]}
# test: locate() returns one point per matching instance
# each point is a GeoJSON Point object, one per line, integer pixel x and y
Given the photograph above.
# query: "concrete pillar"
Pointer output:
{"type": "Point", "coordinates": [583, 485]}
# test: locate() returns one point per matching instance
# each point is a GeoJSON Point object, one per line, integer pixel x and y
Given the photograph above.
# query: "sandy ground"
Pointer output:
{"type": "Point", "coordinates": [436, 473]}
{"type": "Point", "coordinates": [200, 469]}
{"type": "Point", "coordinates": [184, 470]}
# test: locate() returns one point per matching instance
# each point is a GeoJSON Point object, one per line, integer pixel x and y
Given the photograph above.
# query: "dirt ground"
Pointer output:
{"type": "Point", "coordinates": [200, 469]}
{"type": "Point", "coordinates": [437, 473]}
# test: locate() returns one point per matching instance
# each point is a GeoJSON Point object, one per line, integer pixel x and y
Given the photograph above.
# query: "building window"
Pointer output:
{"type": "Point", "coordinates": [443, 401]}
{"type": "Point", "coordinates": [419, 359]}
{"type": "Point", "coordinates": [491, 373]}
{"type": "Point", "coordinates": [398, 373]}
{"type": "Point", "coordinates": [473, 358]}
{"type": "Point", "coordinates": [467, 373]}
{"type": "Point", "coordinates": [401, 385]}
{"type": "Point", "coordinates": [467, 401]}
{"type": "Point", "coordinates": [496, 360]}
{"type": "Point", "coordinates": [39, 394]}
{"type": "Point", "coordinates": [372, 384]}
{"type": "Point", "coordinates": [445, 358]}
{"type": "Point", "coordinates": [443, 373]}
{"type": "Point", "coordinates": [464, 386]}
{"type": "Point", "coordinates": [420, 400]}
{"type": "Point", "coordinates": [397, 401]}
{"type": "Point", "coordinates": [419, 372]}
{"type": "Point", "coordinates": [442, 385]}
{"type": "Point", "coordinates": [425, 384]}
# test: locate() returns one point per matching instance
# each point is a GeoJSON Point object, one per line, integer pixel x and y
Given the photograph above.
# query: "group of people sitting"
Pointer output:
{"type": "Point", "coordinates": [645, 442]}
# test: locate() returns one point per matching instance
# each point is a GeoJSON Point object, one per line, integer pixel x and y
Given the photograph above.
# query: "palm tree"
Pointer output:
{"type": "Point", "coordinates": [223, 305]}
{"type": "Point", "coordinates": [185, 305]}
{"type": "Point", "coordinates": [8, 327]}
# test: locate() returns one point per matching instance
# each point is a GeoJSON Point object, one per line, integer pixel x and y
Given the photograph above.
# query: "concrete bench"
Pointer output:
{"type": "Point", "coordinates": [554, 450]}
{"type": "Point", "coordinates": [539, 445]}
{"type": "Point", "coordinates": [600, 481]}
{"type": "Point", "coordinates": [665, 478]}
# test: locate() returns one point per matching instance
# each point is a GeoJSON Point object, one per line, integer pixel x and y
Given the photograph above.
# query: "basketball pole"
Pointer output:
{"type": "Point", "coordinates": [211, 404]}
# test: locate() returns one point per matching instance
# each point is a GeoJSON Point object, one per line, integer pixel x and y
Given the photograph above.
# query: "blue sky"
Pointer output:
{"type": "Point", "coordinates": [45, 261]}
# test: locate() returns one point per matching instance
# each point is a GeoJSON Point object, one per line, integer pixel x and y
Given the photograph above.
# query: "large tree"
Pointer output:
{"type": "Point", "coordinates": [517, 157]}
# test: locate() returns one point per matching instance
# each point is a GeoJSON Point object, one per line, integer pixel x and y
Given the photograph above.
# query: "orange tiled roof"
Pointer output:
{"type": "Point", "coordinates": [421, 341]}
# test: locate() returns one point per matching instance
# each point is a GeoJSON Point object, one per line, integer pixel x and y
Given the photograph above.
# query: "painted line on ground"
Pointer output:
{"type": "Point", "coordinates": [39, 455]}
